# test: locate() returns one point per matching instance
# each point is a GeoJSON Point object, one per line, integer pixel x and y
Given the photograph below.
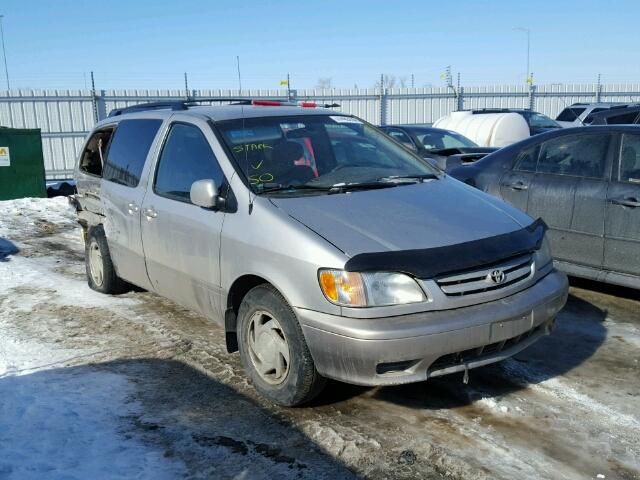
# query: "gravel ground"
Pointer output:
{"type": "Point", "coordinates": [155, 381]}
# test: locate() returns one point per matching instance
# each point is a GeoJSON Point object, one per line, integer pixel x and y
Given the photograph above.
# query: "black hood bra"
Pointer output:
{"type": "Point", "coordinates": [449, 259]}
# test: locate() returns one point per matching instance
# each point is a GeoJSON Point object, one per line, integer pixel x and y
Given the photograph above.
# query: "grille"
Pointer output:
{"type": "Point", "coordinates": [477, 281]}
{"type": "Point", "coordinates": [479, 353]}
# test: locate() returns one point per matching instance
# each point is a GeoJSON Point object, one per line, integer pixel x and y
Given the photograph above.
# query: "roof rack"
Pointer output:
{"type": "Point", "coordinates": [184, 104]}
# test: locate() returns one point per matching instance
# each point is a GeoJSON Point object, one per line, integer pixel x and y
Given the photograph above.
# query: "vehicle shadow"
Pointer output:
{"type": "Point", "coordinates": [606, 288]}
{"type": "Point", "coordinates": [578, 334]}
{"type": "Point", "coordinates": [7, 248]}
{"type": "Point", "coordinates": [131, 411]}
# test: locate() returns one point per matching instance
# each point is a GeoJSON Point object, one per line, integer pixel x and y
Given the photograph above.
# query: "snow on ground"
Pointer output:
{"type": "Point", "coordinates": [56, 422]}
{"type": "Point", "coordinates": [95, 386]}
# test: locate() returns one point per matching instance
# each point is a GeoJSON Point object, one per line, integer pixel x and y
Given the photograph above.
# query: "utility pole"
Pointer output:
{"type": "Point", "coordinates": [413, 83]}
{"type": "Point", "coordinates": [528, 32]}
{"type": "Point", "coordinates": [186, 86]}
{"type": "Point", "coordinates": [4, 52]}
{"type": "Point", "coordinates": [382, 100]}
{"type": "Point", "coordinates": [94, 100]}
{"type": "Point", "coordinates": [288, 87]}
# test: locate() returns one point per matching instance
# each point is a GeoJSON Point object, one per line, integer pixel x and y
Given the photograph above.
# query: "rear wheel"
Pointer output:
{"type": "Point", "coordinates": [101, 274]}
{"type": "Point", "coordinates": [273, 350]}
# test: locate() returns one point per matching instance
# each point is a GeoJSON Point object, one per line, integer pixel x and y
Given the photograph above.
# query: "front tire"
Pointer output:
{"type": "Point", "coordinates": [273, 349]}
{"type": "Point", "coordinates": [101, 274]}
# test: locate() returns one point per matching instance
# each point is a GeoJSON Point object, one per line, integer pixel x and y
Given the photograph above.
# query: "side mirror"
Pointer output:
{"type": "Point", "coordinates": [410, 146]}
{"type": "Point", "coordinates": [204, 193]}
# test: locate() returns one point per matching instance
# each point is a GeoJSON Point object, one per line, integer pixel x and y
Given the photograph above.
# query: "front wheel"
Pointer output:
{"type": "Point", "coordinates": [273, 349]}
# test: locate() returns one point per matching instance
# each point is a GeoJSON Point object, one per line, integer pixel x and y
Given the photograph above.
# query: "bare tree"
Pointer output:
{"type": "Point", "coordinates": [324, 83]}
{"type": "Point", "coordinates": [388, 81]}
{"type": "Point", "coordinates": [403, 82]}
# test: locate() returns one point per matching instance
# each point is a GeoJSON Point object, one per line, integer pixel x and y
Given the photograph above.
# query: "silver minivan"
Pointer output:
{"type": "Point", "coordinates": [322, 247]}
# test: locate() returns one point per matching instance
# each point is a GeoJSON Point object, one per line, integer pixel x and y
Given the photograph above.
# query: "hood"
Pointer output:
{"type": "Point", "coordinates": [431, 214]}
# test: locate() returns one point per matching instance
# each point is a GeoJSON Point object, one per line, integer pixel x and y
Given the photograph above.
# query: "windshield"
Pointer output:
{"type": "Point", "coordinates": [318, 152]}
{"type": "Point", "coordinates": [539, 120]}
{"type": "Point", "coordinates": [440, 140]}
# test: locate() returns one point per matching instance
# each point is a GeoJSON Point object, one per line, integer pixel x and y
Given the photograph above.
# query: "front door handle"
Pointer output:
{"type": "Point", "coordinates": [132, 208]}
{"type": "Point", "coordinates": [150, 213]}
{"type": "Point", "coordinates": [626, 202]}
{"type": "Point", "coordinates": [517, 185]}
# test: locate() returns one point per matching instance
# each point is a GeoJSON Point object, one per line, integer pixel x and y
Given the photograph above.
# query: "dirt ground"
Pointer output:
{"type": "Point", "coordinates": [566, 408]}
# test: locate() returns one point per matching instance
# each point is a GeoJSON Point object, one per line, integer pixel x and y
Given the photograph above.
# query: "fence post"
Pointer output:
{"type": "Point", "coordinates": [383, 102]}
{"type": "Point", "coordinates": [94, 100]}
{"type": "Point", "coordinates": [532, 96]}
{"type": "Point", "coordinates": [460, 99]}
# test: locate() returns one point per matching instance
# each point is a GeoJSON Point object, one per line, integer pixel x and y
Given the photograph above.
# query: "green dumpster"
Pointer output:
{"type": "Point", "coordinates": [21, 164]}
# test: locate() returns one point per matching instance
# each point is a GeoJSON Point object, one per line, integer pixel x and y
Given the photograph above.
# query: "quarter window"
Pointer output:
{"type": "Point", "coordinates": [185, 158]}
{"type": "Point", "coordinates": [128, 151]}
{"type": "Point", "coordinates": [630, 159]}
{"type": "Point", "coordinates": [576, 155]}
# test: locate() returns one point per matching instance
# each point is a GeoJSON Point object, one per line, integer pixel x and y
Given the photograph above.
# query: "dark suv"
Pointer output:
{"type": "Point", "coordinates": [628, 115]}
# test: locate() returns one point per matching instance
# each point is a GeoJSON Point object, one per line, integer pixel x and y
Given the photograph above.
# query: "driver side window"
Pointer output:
{"type": "Point", "coordinates": [185, 158]}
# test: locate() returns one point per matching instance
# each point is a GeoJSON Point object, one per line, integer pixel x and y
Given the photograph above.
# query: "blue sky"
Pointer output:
{"type": "Point", "coordinates": [149, 44]}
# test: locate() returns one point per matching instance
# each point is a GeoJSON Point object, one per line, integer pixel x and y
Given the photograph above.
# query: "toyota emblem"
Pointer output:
{"type": "Point", "coordinates": [497, 276]}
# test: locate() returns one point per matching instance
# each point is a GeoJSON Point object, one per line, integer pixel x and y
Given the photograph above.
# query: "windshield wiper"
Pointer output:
{"type": "Point", "coordinates": [417, 178]}
{"type": "Point", "coordinates": [347, 187]}
{"type": "Point", "coordinates": [277, 187]}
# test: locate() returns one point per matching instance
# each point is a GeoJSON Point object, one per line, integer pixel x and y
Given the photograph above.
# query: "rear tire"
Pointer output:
{"type": "Point", "coordinates": [273, 350]}
{"type": "Point", "coordinates": [101, 274]}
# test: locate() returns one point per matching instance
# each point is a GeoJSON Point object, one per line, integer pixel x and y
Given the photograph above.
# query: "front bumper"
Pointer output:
{"type": "Point", "coordinates": [412, 348]}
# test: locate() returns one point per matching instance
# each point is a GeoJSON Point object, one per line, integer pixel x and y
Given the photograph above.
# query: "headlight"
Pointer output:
{"type": "Point", "coordinates": [369, 289]}
{"type": "Point", "coordinates": [543, 254]}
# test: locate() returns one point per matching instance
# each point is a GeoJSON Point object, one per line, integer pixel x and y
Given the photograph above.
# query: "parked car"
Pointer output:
{"type": "Point", "coordinates": [445, 147]}
{"type": "Point", "coordinates": [585, 184]}
{"type": "Point", "coordinates": [628, 115]}
{"type": "Point", "coordinates": [321, 246]}
{"type": "Point", "coordinates": [581, 114]}
{"type": "Point", "coordinates": [538, 122]}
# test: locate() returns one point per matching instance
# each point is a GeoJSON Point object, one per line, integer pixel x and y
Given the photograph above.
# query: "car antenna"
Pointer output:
{"type": "Point", "coordinates": [244, 132]}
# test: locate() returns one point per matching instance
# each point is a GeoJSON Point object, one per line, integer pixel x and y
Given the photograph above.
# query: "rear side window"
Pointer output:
{"type": "Point", "coordinates": [575, 155]}
{"type": "Point", "coordinates": [94, 153]}
{"type": "Point", "coordinates": [570, 114]}
{"type": "Point", "coordinates": [128, 151]}
{"type": "Point", "coordinates": [630, 159]}
{"type": "Point", "coordinates": [623, 119]}
{"type": "Point", "coordinates": [186, 157]}
{"type": "Point", "coordinates": [589, 118]}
